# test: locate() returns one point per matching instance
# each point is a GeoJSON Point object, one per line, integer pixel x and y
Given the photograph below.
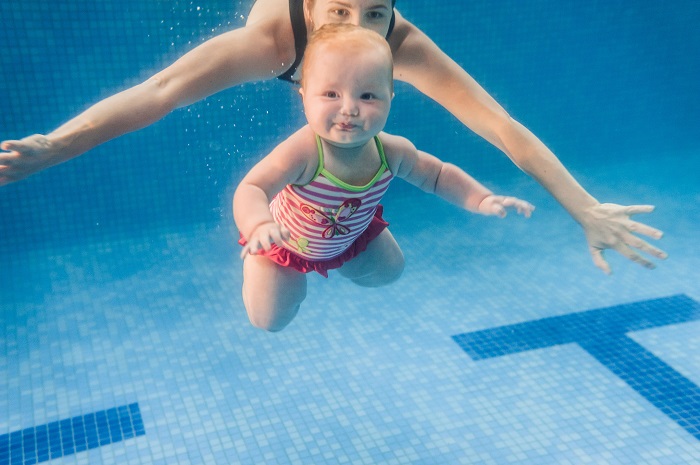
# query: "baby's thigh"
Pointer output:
{"type": "Point", "coordinates": [272, 293]}
{"type": "Point", "coordinates": [381, 263]}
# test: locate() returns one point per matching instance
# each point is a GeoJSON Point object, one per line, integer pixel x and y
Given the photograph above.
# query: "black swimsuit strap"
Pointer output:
{"type": "Point", "coordinates": [392, 22]}
{"type": "Point", "coordinates": [296, 14]}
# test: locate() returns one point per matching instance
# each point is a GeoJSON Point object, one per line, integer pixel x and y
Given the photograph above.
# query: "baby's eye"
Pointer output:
{"type": "Point", "coordinates": [368, 96]}
{"type": "Point", "coordinates": [331, 94]}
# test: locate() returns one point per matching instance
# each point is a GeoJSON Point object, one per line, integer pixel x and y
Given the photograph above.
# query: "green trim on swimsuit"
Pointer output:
{"type": "Point", "coordinates": [339, 182]}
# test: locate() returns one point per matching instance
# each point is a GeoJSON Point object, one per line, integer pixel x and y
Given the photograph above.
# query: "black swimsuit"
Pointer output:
{"type": "Point", "coordinates": [296, 14]}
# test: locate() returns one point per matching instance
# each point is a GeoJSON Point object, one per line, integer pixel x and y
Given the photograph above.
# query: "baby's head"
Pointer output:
{"type": "Point", "coordinates": [354, 43]}
{"type": "Point", "coordinates": [347, 84]}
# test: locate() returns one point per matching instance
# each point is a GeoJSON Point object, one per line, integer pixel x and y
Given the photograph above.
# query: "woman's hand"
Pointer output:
{"type": "Point", "coordinates": [263, 236]}
{"type": "Point", "coordinates": [497, 205]}
{"type": "Point", "coordinates": [608, 226]}
{"type": "Point", "coordinates": [22, 158]}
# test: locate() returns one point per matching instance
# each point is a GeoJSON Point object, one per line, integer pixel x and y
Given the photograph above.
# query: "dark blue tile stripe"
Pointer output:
{"type": "Point", "coordinates": [664, 387]}
{"type": "Point", "coordinates": [576, 327]}
{"type": "Point", "coordinates": [602, 334]}
{"type": "Point", "coordinates": [70, 436]}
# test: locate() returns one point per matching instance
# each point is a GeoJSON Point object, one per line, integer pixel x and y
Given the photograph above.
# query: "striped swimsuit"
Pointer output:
{"type": "Point", "coordinates": [326, 216]}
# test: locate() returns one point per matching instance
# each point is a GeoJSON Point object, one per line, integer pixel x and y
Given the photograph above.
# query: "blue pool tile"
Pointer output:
{"type": "Point", "coordinates": [602, 333]}
{"type": "Point", "coordinates": [70, 436]}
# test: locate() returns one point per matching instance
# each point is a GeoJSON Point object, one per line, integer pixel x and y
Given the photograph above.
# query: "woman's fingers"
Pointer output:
{"type": "Point", "coordinates": [626, 247]}
{"type": "Point", "coordinates": [598, 260]}
{"type": "Point", "coordinates": [641, 228]}
{"type": "Point", "coordinates": [626, 251]}
{"type": "Point", "coordinates": [636, 209]}
{"type": "Point", "coordinates": [609, 227]}
{"type": "Point", "coordinates": [633, 241]}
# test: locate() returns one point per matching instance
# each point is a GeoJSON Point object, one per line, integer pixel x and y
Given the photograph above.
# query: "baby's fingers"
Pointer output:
{"type": "Point", "coordinates": [521, 206]}
{"type": "Point", "coordinates": [278, 236]}
{"type": "Point", "coordinates": [253, 247]}
{"type": "Point", "coordinates": [245, 251]}
{"type": "Point", "coordinates": [498, 210]}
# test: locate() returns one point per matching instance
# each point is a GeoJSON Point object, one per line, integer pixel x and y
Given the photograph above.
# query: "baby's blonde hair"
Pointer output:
{"type": "Point", "coordinates": [352, 39]}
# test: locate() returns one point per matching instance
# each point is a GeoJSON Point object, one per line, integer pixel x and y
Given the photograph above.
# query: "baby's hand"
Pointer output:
{"type": "Point", "coordinates": [497, 205]}
{"type": "Point", "coordinates": [264, 236]}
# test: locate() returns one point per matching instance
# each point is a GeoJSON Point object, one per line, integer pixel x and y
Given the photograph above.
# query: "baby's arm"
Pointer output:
{"type": "Point", "coordinates": [289, 163]}
{"type": "Point", "coordinates": [447, 180]}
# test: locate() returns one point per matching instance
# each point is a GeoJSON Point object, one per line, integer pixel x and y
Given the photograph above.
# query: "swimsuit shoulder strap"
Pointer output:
{"type": "Point", "coordinates": [380, 149]}
{"type": "Point", "coordinates": [391, 24]}
{"type": "Point", "coordinates": [321, 170]}
{"type": "Point", "coordinates": [296, 15]}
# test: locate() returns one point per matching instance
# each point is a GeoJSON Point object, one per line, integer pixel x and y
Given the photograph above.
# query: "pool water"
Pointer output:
{"type": "Point", "coordinates": [124, 338]}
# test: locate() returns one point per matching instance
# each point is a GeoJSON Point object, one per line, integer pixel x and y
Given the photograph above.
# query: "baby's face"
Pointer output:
{"type": "Point", "coordinates": [370, 14]}
{"type": "Point", "coordinates": [347, 94]}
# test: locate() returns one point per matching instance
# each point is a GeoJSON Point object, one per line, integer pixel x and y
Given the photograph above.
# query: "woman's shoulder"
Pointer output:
{"type": "Point", "coordinates": [264, 10]}
{"type": "Point", "coordinates": [272, 16]}
{"type": "Point", "coordinates": [403, 30]}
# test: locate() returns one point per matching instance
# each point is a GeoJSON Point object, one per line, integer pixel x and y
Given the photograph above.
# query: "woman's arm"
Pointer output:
{"type": "Point", "coordinates": [257, 51]}
{"type": "Point", "coordinates": [422, 64]}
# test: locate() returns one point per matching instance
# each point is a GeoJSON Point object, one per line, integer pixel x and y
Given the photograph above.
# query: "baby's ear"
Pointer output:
{"type": "Point", "coordinates": [301, 92]}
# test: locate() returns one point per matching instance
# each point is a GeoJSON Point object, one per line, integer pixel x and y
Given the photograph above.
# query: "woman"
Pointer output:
{"type": "Point", "coordinates": [269, 45]}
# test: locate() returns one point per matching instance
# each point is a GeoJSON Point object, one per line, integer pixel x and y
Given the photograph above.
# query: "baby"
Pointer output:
{"type": "Point", "coordinates": [312, 204]}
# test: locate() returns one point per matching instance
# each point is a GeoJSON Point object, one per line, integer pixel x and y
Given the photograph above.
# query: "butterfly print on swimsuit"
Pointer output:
{"type": "Point", "coordinates": [335, 228]}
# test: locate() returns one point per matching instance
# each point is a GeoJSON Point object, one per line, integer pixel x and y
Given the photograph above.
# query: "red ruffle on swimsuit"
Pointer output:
{"type": "Point", "coordinates": [287, 258]}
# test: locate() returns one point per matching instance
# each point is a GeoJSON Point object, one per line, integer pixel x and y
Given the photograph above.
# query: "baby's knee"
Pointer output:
{"type": "Point", "coordinates": [271, 323]}
{"type": "Point", "coordinates": [394, 270]}
{"type": "Point", "coordinates": [389, 272]}
{"type": "Point", "coordinates": [271, 318]}
{"type": "Point", "coordinates": [394, 267]}
{"type": "Point", "coordinates": [271, 326]}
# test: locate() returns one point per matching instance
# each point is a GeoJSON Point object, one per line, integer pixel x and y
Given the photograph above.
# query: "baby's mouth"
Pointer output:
{"type": "Point", "coordinates": [346, 126]}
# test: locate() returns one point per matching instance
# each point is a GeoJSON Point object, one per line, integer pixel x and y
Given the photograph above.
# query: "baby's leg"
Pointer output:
{"type": "Point", "coordinates": [380, 264]}
{"type": "Point", "coordinates": [271, 293]}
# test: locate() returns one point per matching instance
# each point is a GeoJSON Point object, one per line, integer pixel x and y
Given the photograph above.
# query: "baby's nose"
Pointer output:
{"type": "Point", "coordinates": [350, 108]}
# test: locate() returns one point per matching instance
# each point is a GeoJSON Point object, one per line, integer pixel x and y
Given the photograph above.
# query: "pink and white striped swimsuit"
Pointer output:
{"type": "Point", "coordinates": [326, 216]}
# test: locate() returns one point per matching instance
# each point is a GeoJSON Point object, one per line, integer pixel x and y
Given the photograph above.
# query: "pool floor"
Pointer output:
{"type": "Point", "coordinates": [500, 344]}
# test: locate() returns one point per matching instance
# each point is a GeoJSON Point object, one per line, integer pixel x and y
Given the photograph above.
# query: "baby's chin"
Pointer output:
{"type": "Point", "coordinates": [346, 143]}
